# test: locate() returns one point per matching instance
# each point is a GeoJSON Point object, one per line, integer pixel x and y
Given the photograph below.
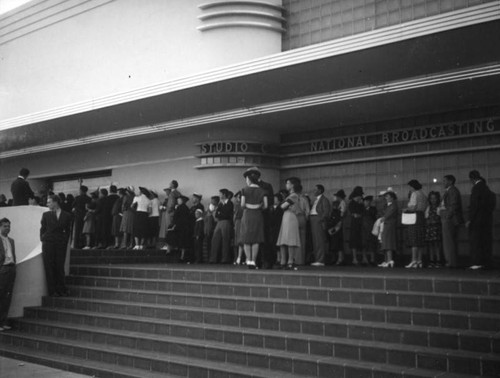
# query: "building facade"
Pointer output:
{"type": "Point", "coordinates": [343, 93]}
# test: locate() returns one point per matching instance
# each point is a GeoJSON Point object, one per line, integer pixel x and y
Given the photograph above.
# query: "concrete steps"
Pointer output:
{"type": "Point", "coordinates": [149, 320]}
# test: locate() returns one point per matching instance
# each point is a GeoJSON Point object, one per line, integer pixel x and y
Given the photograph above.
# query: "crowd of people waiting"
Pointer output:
{"type": "Point", "coordinates": [260, 228]}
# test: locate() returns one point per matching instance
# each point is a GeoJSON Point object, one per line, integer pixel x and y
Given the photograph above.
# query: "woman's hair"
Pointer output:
{"type": "Point", "coordinates": [253, 177]}
{"type": "Point", "coordinates": [415, 184]}
{"type": "Point", "coordinates": [279, 196]}
{"type": "Point", "coordinates": [295, 181]}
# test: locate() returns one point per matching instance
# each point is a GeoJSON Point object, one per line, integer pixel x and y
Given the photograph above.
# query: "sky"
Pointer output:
{"type": "Point", "coordinates": [7, 5]}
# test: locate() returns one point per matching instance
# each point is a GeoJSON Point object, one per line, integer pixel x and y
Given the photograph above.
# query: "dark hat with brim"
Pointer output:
{"type": "Point", "coordinates": [368, 198]}
{"type": "Point", "coordinates": [357, 192]}
{"type": "Point", "coordinates": [84, 188]}
{"type": "Point", "coordinates": [252, 170]}
{"type": "Point", "coordinates": [184, 198]}
{"type": "Point", "coordinates": [144, 191]}
{"type": "Point", "coordinates": [122, 191]}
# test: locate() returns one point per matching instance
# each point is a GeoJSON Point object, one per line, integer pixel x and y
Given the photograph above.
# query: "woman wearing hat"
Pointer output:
{"type": "Point", "coordinates": [416, 232]}
{"type": "Point", "coordinates": [180, 228]}
{"type": "Point", "coordinates": [356, 210]}
{"type": "Point", "coordinates": [141, 205]}
{"type": "Point", "coordinates": [253, 201]}
{"type": "Point", "coordinates": [289, 236]}
{"type": "Point", "coordinates": [390, 221]}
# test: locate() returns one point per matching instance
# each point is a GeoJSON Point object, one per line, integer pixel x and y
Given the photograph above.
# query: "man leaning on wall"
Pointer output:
{"type": "Point", "coordinates": [7, 272]}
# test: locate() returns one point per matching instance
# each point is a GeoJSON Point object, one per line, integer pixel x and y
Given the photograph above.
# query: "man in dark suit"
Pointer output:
{"type": "Point", "coordinates": [54, 234]}
{"type": "Point", "coordinates": [107, 215]}
{"type": "Point", "coordinates": [7, 271]}
{"type": "Point", "coordinates": [21, 190]}
{"type": "Point", "coordinates": [268, 248]}
{"type": "Point", "coordinates": [480, 222]}
{"type": "Point", "coordinates": [451, 215]}
{"type": "Point", "coordinates": [221, 240]}
{"type": "Point", "coordinates": [320, 212]}
{"type": "Point", "coordinates": [79, 210]}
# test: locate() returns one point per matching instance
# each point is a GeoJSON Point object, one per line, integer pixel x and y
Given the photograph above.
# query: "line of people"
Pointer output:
{"type": "Point", "coordinates": [288, 228]}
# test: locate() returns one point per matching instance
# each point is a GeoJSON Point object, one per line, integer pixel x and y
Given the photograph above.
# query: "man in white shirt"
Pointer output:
{"type": "Point", "coordinates": [7, 272]}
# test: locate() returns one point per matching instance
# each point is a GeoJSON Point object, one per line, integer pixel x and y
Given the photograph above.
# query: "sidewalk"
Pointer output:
{"type": "Point", "coordinates": [10, 368]}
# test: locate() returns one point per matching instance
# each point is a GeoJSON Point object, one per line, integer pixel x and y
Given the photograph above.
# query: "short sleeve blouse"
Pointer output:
{"type": "Point", "coordinates": [253, 195]}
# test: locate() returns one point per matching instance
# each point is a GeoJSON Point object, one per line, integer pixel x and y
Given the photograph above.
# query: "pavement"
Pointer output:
{"type": "Point", "coordinates": [10, 368]}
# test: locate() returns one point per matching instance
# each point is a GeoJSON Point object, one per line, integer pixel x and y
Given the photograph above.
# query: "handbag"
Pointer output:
{"type": "Point", "coordinates": [408, 219]}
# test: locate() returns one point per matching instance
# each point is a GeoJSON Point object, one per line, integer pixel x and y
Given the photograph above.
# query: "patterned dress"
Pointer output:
{"type": "Point", "coordinates": [433, 225]}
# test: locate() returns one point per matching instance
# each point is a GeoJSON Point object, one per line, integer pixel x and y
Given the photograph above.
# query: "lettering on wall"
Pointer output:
{"type": "Point", "coordinates": [236, 154]}
{"type": "Point", "coordinates": [411, 135]}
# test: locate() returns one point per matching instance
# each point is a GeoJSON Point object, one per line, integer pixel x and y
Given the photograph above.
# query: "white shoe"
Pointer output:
{"type": "Point", "coordinates": [382, 265]}
{"type": "Point", "coordinates": [476, 267]}
{"type": "Point", "coordinates": [6, 327]}
{"type": "Point", "coordinates": [317, 264]}
{"type": "Point", "coordinates": [165, 248]}
{"type": "Point", "coordinates": [86, 247]}
{"type": "Point", "coordinates": [136, 248]}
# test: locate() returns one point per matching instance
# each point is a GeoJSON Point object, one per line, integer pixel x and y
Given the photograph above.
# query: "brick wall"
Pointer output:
{"type": "Point", "coordinates": [314, 21]}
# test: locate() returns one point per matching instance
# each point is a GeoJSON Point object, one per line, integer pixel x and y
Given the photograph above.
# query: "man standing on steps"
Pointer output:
{"type": "Point", "coordinates": [54, 234]}
{"type": "Point", "coordinates": [320, 212]}
{"type": "Point", "coordinates": [450, 212]}
{"type": "Point", "coordinates": [7, 271]}
{"type": "Point", "coordinates": [268, 255]}
{"type": "Point", "coordinates": [221, 241]}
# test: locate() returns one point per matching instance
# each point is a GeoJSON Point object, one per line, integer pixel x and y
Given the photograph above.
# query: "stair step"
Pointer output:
{"type": "Point", "coordinates": [277, 364]}
{"type": "Point", "coordinates": [253, 347]}
{"type": "Point", "coordinates": [394, 298]}
{"type": "Point", "coordinates": [271, 337]}
{"type": "Point", "coordinates": [400, 315]}
{"type": "Point", "coordinates": [77, 365]}
{"type": "Point", "coordinates": [459, 282]}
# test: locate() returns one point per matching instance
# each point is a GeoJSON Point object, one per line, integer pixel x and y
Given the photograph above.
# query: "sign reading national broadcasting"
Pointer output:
{"type": "Point", "coordinates": [403, 136]}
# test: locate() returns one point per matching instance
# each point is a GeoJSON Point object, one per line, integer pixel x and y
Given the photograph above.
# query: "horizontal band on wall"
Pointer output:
{"type": "Point", "coordinates": [38, 16]}
{"type": "Point", "coordinates": [241, 13]}
{"type": "Point", "coordinates": [217, 4]}
{"type": "Point", "coordinates": [243, 24]}
{"type": "Point", "coordinates": [390, 157]}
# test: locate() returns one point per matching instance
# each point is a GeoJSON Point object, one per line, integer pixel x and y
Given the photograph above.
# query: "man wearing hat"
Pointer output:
{"type": "Point", "coordinates": [221, 240]}
{"type": "Point", "coordinates": [268, 249]}
{"type": "Point", "coordinates": [79, 209]}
